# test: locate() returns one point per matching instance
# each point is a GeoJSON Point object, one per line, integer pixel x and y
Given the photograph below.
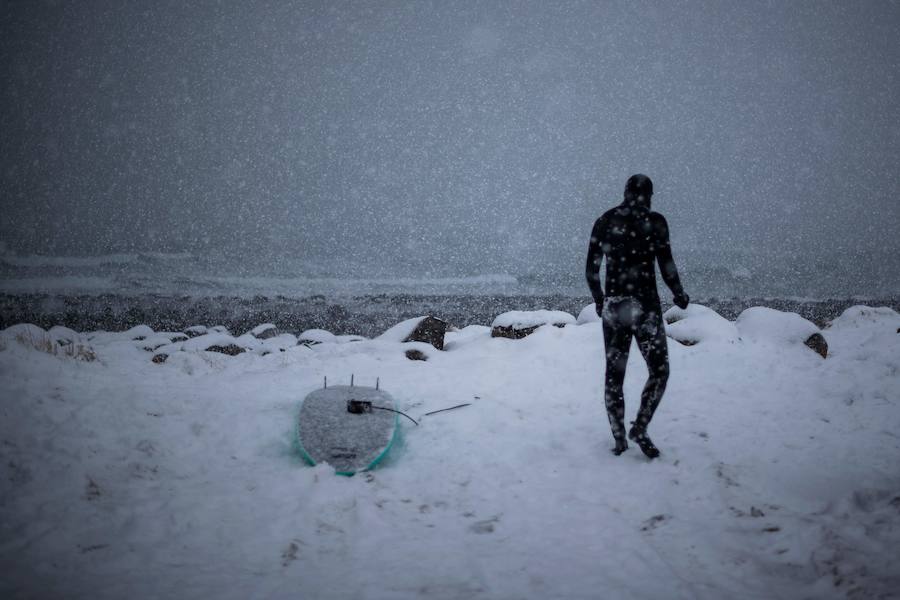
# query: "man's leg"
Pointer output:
{"type": "Point", "coordinates": [651, 339]}
{"type": "Point", "coordinates": [617, 338]}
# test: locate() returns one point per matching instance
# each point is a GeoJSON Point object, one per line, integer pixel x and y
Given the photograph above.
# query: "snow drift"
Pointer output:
{"type": "Point", "coordinates": [120, 477]}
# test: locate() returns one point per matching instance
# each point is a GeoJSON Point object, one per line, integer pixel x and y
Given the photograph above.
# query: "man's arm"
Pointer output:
{"type": "Point", "coordinates": [666, 263]}
{"type": "Point", "coordinates": [592, 266]}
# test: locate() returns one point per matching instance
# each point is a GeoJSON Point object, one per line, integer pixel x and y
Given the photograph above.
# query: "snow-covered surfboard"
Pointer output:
{"type": "Point", "coordinates": [349, 442]}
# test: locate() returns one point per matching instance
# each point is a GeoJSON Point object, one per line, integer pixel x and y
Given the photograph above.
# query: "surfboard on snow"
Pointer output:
{"type": "Point", "coordinates": [328, 433]}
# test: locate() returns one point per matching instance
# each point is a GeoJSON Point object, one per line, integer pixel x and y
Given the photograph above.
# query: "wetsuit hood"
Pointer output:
{"type": "Point", "coordinates": [638, 191]}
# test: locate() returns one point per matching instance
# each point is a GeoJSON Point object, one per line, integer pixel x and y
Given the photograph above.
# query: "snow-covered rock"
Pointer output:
{"type": "Point", "coordinates": [517, 324]}
{"type": "Point", "coordinates": [215, 342]}
{"type": "Point", "coordinates": [400, 331]}
{"type": "Point", "coordinates": [454, 340]}
{"type": "Point", "coordinates": [697, 324]}
{"type": "Point", "coordinates": [154, 341]}
{"type": "Point", "coordinates": [316, 336]}
{"type": "Point", "coordinates": [762, 324]}
{"type": "Point", "coordinates": [588, 314]}
{"type": "Point", "coordinates": [279, 343]}
{"type": "Point", "coordinates": [162, 353]}
{"type": "Point", "coordinates": [196, 330]}
{"type": "Point", "coordinates": [767, 324]}
{"type": "Point", "coordinates": [138, 332]}
{"type": "Point", "coordinates": [311, 337]}
{"type": "Point", "coordinates": [869, 331]}
{"type": "Point", "coordinates": [426, 329]}
{"type": "Point", "coordinates": [264, 331]}
{"type": "Point", "coordinates": [350, 337]}
{"type": "Point", "coordinates": [864, 317]}
{"type": "Point", "coordinates": [248, 341]}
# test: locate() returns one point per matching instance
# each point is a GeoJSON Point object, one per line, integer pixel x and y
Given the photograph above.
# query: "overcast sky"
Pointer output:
{"type": "Point", "coordinates": [481, 136]}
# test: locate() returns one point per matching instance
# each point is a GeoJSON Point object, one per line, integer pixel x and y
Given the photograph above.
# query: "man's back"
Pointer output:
{"type": "Point", "coordinates": [632, 238]}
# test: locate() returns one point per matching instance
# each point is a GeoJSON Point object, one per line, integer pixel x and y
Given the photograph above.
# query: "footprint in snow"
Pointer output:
{"type": "Point", "coordinates": [651, 523]}
{"type": "Point", "coordinates": [92, 490]}
{"type": "Point", "coordinates": [289, 554]}
{"type": "Point", "coordinates": [485, 526]}
{"type": "Point", "coordinates": [721, 473]}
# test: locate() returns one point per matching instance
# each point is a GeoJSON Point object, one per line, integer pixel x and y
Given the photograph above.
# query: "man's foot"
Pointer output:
{"type": "Point", "coordinates": [639, 436]}
{"type": "Point", "coordinates": [621, 446]}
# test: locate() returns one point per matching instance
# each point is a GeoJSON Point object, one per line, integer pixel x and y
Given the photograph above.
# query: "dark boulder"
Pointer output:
{"type": "Point", "coordinates": [229, 349]}
{"type": "Point", "coordinates": [516, 325]}
{"type": "Point", "coordinates": [414, 354]}
{"type": "Point", "coordinates": [429, 330]}
{"type": "Point", "coordinates": [425, 329]}
{"type": "Point", "coordinates": [513, 333]}
{"type": "Point", "coordinates": [196, 331]}
{"type": "Point", "coordinates": [265, 331]}
{"type": "Point", "coordinates": [817, 343]}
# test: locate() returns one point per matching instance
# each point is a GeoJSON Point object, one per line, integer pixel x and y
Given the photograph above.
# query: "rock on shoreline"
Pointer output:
{"type": "Point", "coordinates": [361, 315]}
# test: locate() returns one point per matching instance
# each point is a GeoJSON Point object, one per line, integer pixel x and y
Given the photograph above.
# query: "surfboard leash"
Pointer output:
{"type": "Point", "coordinates": [398, 412]}
{"type": "Point", "coordinates": [434, 412]}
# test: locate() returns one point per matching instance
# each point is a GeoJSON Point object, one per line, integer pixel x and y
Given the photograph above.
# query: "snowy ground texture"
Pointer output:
{"type": "Point", "coordinates": [779, 478]}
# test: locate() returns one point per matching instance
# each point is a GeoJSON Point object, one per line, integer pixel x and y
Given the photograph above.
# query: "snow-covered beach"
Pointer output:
{"type": "Point", "coordinates": [126, 478]}
{"type": "Point", "coordinates": [214, 210]}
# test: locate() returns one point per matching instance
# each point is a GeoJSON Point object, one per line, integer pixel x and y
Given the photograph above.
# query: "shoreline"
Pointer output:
{"type": "Point", "coordinates": [367, 315]}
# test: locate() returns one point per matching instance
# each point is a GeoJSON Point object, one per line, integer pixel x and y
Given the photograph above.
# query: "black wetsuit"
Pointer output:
{"type": "Point", "coordinates": [632, 238]}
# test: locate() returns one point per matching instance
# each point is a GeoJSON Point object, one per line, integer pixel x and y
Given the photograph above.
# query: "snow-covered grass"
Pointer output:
{"type": "Point", "coordinates": [124, 478]}
{"type": "Point", "coordinates": [56, 342]}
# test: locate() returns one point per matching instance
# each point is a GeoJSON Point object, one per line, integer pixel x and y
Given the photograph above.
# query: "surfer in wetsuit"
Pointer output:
{"type": "Point", "coordinates": [632, 237]}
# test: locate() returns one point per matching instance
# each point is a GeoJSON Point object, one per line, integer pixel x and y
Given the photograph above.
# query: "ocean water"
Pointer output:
{"type": "Point", "coordinates": [197, 276]}
{"type": "Point", "coordinates": [135, 274]}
